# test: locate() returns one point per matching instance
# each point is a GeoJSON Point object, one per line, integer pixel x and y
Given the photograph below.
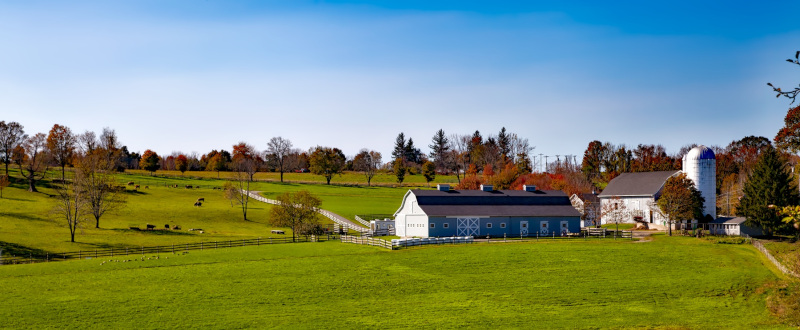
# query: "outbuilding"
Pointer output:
{"type": "Point", "coordinates": [733, 226]}
{"type": "Point", "coordinates": [486, 212]}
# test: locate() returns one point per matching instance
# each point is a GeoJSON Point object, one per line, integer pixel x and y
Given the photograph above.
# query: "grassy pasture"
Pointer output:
{"type": "Point", "coordinates": [671, 282]}
{"type": "Point", "coordinates": [346, 178]}
{"type": "Point", "coordinates": [28, 223]}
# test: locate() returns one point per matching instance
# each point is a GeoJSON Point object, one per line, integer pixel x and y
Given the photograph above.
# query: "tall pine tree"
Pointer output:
{"type": "Point", "coordinates": [768, 189]}
{"type": "Point", "coordinates": [439, 148]}
{"type": "Point", "coordinates": [399, 150]}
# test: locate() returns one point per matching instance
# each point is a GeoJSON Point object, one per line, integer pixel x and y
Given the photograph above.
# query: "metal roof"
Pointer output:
{"type": "Point", "coordinates": [730, 220]}
{"type": "Point", "coordinates": [497, 203]}
{"type": "Point", "coordinates": [501, 210]}
{"type": "Point", "coordinates": [700, 152]}
{"type": "Point", "coordinates": [637, 184]}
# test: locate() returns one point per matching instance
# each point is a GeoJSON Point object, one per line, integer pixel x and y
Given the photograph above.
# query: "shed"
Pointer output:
{"type": "Point", "coordinates": [733, 226]}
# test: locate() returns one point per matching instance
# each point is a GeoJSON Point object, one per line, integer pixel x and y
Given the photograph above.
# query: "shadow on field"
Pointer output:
{"type": "Point", "coordinates": [22, 216]}
{"type": "Point", "coordinates": [16, 199]}
{"type": "Point", "coordinates": [162, 232]}
{"type": "Point", "coordinates": [22, 251]}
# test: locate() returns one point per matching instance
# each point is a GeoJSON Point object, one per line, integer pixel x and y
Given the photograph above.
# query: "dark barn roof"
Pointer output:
{"type": "Point", "coordinates": [499, 203]}
{"type": "Point", "coordinates": [637, 184]}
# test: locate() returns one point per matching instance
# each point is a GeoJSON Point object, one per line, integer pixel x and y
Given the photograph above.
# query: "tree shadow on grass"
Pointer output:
{"type": "Point", "coordinates": [16, 199]}
{"type": "Point", "coordinates": [23, 251]}
{"type": "Point", "coordinates": [22, 216]}
{"type": "Point", "coordinates": [157, 232]}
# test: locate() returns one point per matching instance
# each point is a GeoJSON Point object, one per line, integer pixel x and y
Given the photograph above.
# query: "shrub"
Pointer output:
{"type": "Point", "coordinates": [728, 239]}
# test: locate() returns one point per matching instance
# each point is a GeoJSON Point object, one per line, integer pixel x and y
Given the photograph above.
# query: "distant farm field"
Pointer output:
{"type": "Point", "coordinates": [671, 283]}
{"type": "Point", "coordinates": [27, 220]}
{"type": "Point", "coordinates": [348, 177]}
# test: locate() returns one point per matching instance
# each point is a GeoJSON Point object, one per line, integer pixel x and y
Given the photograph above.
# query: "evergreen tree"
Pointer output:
{"type": "Point", "coordinates": [768, 188]}
{"type": "Point", "coordinates": [504, 143]}
{"type": "Point", "coordinates": [399, 168]}
{"type": "Point", "coordinates": [439, 149]}
{"type": "Point", "coordinates": [399, 150]}
{"type": "Point", "coordinates": [412, 154]}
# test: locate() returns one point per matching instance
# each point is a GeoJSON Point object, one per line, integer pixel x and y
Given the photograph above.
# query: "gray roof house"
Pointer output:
{"type": "Point", "coordinates": [734, 226]}
{"type": "Point", "coordinates": [638, 191]}
{"type": "Point", "coordinates": [486, 212]}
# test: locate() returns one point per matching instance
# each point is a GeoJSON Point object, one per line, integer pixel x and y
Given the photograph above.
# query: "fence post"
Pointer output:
{"type": "Point", "coordinates": [201, 246]}
{"type": "Point", "coordinates": [142, 250]}
{"type": "Point", "coordinates": [215, 244]}
{"type": "Point", "coordinates": [258, 241]}
{"type": "Point", "coordinates": [173, 248]}
{"type": "Point", "coordinates": [79, 254]}
{"type": "Point", "coordinates": [112, 252]}
{"type": "Point", "coordinates": [126, 251]}
{"type": "Point", "coordinates": [47, 257]}
{"type": "Point", "coordinates": [95, 253]}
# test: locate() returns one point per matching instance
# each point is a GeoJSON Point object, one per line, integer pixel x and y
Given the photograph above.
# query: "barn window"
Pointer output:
{"type": "Point", "coordinates": [503, 225]}
{"type": "Point", "coordinates": [433, 225]}
{"type": "Point", "coordinates": [489, 225]}
{"type": "Point", "coordinates": [446, 225]}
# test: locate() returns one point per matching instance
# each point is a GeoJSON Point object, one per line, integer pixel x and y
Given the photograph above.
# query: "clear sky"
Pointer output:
{"type": "Point", "coordinates": [201, 75]}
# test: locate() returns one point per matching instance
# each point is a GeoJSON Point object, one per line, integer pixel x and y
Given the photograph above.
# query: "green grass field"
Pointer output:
{"type": "Point", "coordinates": [28, 224]}
{"type": "Point", "coordinates": [346, 178]}
{"type": "Point", "coordinates": [671, 282]}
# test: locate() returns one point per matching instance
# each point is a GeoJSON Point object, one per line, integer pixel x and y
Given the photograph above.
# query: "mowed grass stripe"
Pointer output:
{"type": "Point", "coordinates": [670, 282]}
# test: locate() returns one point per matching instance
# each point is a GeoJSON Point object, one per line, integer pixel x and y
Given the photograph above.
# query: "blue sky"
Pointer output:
{"type": "Point", "coordinates": [201, 75]}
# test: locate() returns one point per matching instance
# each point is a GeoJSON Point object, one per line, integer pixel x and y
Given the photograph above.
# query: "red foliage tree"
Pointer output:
{"type": "Point", "coordinates": [181, 163]}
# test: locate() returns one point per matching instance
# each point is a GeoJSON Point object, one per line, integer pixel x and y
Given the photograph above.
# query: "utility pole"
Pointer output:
{"type": "Point", "coordinates": [545, 163]}
{"type": "Point", "coordinates": [540, 163]}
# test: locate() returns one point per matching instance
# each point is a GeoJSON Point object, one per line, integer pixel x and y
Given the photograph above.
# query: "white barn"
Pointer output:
{"type": "Point", "coordinates": [639, 192]}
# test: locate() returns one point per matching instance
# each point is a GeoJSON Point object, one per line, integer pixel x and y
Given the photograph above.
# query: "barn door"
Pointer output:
{"type": "Point", "coordinates": [467, 227]}
{"type": "Point", "coordinates": [544, 228]}
{"type": "Point", "coordinates": [523, 228]}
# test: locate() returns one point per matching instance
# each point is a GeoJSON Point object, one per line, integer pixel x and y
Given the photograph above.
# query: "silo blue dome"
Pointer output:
{"type": "Point", "coordinates": [699, 153]}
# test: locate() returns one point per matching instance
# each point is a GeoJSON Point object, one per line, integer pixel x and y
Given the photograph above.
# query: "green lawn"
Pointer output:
{"type": "Point", "coordinates": [28, 224]}
{"type": "Point", "coordinates": [671, 282]}
{"type": "Point", "coordinates": [786, 252]}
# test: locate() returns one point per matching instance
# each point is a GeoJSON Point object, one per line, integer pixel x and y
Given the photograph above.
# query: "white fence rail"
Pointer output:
{"type": "Point", "coordinates": [404, 242]}
{"type": "Point", "coordinates": [362, 221]}
{"type": "Point", "coordinates": [328, 214]}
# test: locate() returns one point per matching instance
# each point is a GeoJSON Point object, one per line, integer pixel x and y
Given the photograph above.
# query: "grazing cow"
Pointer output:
{"type": "Point", "coordinates": [176, 227]}
{"type": "Point", "coordinates": [166, 226]}
{"type": "Point", "coordinates": [188, 187]}
{"type": "Point", "coordinates": [137, 187]}
{"type": "Point", "coordinates": [130, 183]}
{"type": "Point", "coordinates": [150, 227]}
{"type": "Point", "coordinates": [201, 199]}
{"type": "Point", "coordinates": [198, 204]}
{"type": "Point", "coordinates": [146, 187]}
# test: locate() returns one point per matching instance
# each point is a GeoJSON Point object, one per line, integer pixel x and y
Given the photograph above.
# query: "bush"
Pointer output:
{"type": "Point", "coordinates": [728, 239]}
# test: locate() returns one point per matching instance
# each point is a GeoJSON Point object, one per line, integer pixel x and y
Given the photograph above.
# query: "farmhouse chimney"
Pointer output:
{"type": "Point", "coordinates": [486, 187]}
{"type": "Point", "coordinates": [443, 187]}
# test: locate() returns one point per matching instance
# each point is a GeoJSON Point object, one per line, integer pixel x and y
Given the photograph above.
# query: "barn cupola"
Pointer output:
{"type": "Point", "coordinates": [443, 187]}
{"type": "Point", "coordinates": [528, 188]}
{"type": "Point", "coordinates": [487, 187]}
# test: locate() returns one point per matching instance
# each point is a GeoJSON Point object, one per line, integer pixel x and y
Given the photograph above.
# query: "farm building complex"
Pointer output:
{"type": "Point", "coordinates": [486, 212]}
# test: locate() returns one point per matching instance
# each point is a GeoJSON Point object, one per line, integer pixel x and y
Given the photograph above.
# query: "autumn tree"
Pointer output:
{"type": "Point", "coordinates": [181, 163]}
{"type": "Point", "coordinates": [71, 204]}
{"type": "Point", "coordinates": [327, 162]}
{"type": "Point", "coordinates": [61, 143]}
{"type": "Point", "coordinates": [216, 163]}
{"type": "Point", "coordinates": [246, 159]}
{"type": "Point", "coordinates": [12, 135]}
{"type": "Point", "coordinates": [368, 161]}
{"type": "Point", "coordinates": [296, 210]}
{"type": "Point", "coordinates": [471, 180]}
{"type": "Point", "coordinates": [680, 200]}
{"type": "Point", "coordinates": [96, 180]}
{"type": "Point", "coordinates": [768, 187]}
{"type": "Point", "coordinates": [35, 160]}
{"type": "Point", "coordinates": [110, 148]}
{"type": "Point", "coordinates": [278, 152]}
{"type": "Point", "coordinates": [150, 161]}
{"type": "Point", "coordinates": [429, 171]}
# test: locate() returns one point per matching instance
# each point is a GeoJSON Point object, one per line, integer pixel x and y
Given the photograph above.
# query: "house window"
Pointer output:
{"type": "Point", "coordinates": [503, 225]}
{"type": "Point", "coordinates": [524, 225]}
{"type": "Point", "coordinates": [446, 225]}
{"type": "Point", "coordinates": [489, 225]}
{"type": "Point", "coordinates": [563, 224]}
{"type": "Point", "coordinates": [433, 225]}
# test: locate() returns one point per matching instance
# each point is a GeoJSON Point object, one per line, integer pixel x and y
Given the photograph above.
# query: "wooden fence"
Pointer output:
{"type": "Point", "coordinates": [173, 248]}
{"type": "Point", "coordinates": [774, 261]}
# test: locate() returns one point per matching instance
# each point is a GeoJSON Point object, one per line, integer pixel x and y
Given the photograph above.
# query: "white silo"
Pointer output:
{"type": "Point", "coordinates": [700, 165]}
